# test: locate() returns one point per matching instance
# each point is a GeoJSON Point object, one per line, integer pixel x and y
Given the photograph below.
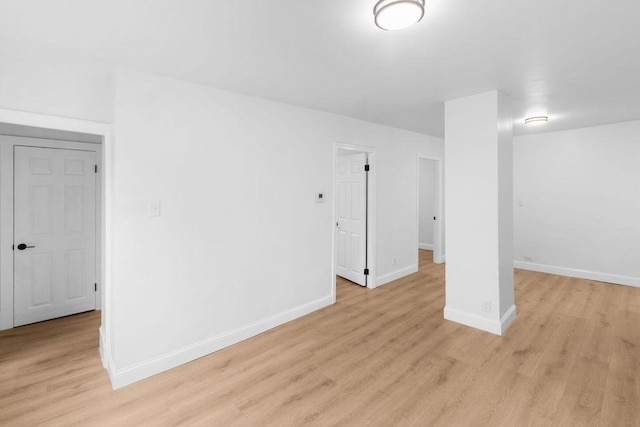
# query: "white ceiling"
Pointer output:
{"type": "Point", "coordinates": [576, 60]}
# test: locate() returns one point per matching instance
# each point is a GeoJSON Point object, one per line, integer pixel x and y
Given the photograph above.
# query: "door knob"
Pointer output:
{"type": "Point", "coordinates": [23, 246]}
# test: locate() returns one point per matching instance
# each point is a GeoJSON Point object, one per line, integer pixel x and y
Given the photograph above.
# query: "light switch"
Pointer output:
{"type": "Point", "coordinates": [319, 197]}
{"type": "Point", "coordinates": [154, 209]}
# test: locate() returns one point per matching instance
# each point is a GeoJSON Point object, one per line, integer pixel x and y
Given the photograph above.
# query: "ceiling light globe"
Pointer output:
{"type": "Point", "coordinates": [398, 14]}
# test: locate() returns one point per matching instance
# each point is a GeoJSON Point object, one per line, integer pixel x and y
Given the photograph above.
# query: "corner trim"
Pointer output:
{"type": "Point", "coordinates": [101, 347]}
{"type": "Point", "coordinates": [395, 275]}
{"type": "Point", "coordinates": [580, 274]}
{"type": "Point", "coordinates": [125, 376]}
{"type": "Point", "coordinates": [484, 324]}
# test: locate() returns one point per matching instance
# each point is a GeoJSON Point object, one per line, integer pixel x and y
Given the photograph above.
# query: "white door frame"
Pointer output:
{"type": "Point", "coordinates": [105, 218]}
{"type": "Point", "coordinates": [438, 256]}
{"type": "Point", "coordinates": [371, 214]}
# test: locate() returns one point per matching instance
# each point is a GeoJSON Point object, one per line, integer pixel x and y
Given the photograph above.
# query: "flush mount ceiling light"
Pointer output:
{"type": "Point", "coordinates": [398, 14]}
{"type": "Point", "coordinates": [538, 120]}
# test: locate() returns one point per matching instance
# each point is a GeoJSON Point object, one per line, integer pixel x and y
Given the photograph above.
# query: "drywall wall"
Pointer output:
{"type": "Point", "coordinates": [577, 202]}
{"type": "Point", "coordinates": [244, 170]}
{"type": "Point", "coordinates": [240, 245]}
{"type": "Point", "coordinates": [426, 202]}
{"type": "Point", "coordinates": [478, 185]}
{"type": "Point", "coordinates": [55, 84]}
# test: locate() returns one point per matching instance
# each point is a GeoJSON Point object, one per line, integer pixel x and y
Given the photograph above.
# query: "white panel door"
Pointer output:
{"type": "Point", "coordinates": [351, 209]}
{"type": "Point", "coordinates": [55, 218]}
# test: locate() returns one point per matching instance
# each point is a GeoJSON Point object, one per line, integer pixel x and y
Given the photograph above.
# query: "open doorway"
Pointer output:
{"type": "Point", "coordinates": [51, 221]}
{"type": "Point", "coordinates": [59, 129]}
{"type": "Point", "coordinates": [354, 216]}
{"type": "Point", "coordinates": [429, 210]}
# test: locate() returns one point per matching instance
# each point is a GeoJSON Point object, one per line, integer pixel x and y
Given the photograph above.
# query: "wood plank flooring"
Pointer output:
{"type": "Point", "coordinates": [377, 357]}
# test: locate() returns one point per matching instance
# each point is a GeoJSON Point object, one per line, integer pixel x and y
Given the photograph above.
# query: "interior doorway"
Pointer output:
{"type": "Point", "coordinates": [430, 218]}
{"type": "Point", "coordinates": [354, 215]}
{"type": "Point", "coordinates": [351, 217]}
{"type": "Point", "coordinates": [51, 221]}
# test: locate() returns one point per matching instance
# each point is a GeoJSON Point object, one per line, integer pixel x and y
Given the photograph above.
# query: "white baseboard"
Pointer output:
{"type": "Point", "coordinates": [507, 319]}
{"type": "Point", "coordinates": [101, 347]}
{"type": "Point", "coordinates": [139, 371]}
{"type": "Point", "coordinates": [395, 275]}
{"type": "Point", "coordinates": [425, 246]}
{"type": "Point", "coordinates": [488, 325]}
{"type": "Point", "coordinates": [581, 274]}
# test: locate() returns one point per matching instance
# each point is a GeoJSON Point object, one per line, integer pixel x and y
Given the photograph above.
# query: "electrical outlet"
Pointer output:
{"type": "Point", "coordinates": [486, 306]}
{"type": "Point", "coordinates": [528, 258]}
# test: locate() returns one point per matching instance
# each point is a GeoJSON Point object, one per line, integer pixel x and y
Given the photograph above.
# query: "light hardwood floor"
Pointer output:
{"type": "Point", "coordinates": [377, 357]}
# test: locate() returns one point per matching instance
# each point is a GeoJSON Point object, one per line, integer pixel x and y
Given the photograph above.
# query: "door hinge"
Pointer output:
{"type": "Point", "coordinates": [366, 168]}
{"type": "Point", "coordinates": [95, 287]}
{"type": "Point", "coordinates": [434, 218]}
{"type": "Point", "coordinates": [95, 169]}
{"type": "Point", "coordinates": [366, 271]}
{"type": "Point", "coordinates": [13, 247]}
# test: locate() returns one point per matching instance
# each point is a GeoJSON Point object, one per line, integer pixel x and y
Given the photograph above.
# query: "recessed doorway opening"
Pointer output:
{"type": "Point", "coordinates": [430, 207]}
{"type": "Point", "coordinates": [354, 216]}
{"type": "Point", "coordinates": [77, 143]}
{"type": "Point", "coordinates": [50, 220]}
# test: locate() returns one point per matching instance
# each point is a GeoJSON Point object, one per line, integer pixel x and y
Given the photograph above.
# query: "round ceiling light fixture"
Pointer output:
{"type": "Point", "coordinates": [538, 120]}
{"type": "Point", "coordinates": [398, 14]}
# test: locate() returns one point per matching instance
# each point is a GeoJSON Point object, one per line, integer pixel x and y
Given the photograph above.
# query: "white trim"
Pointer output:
{"type": "Point", "coordinates": [397, 274]}
{"type": "Point", "coordinates": [425, 246]}
{"type": "Point", "coordinates": [371, 208]}
{"type": "Point", "coordinates": [101, 347]}
{"type": "Point", "coordinates": [6, 237]}
{"type": "Point", "coordinates": [488, 325]}
{"type": "Point", "coordinates": [104, 130]}
{"type": "Point", "coordinates": [139, 371]}
{"type": "Point", "coordinates": [25, 118]}
{"type": "Point", "coordinates": [438, 230]}
{"type": "Point", "coordinates": [468, 319]}
{"type": "Point", "coordinates": [507, 319]}
{"type": "Point", "coordinates": [581, 274]}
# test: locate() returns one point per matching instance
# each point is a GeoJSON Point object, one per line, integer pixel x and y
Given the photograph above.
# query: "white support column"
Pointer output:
{"type": "Point", "coordinates": [479, 212]}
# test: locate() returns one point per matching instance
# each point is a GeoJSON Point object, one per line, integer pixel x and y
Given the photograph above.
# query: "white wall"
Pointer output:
{"type": "Point", "coordinates": [240, 245]}
{"type": "Point", "coordinates": [426, 201]}
{"type": "Point", "coordinates": [577, 202]}
{"type": "Point", "coordinates": [47, 83]}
